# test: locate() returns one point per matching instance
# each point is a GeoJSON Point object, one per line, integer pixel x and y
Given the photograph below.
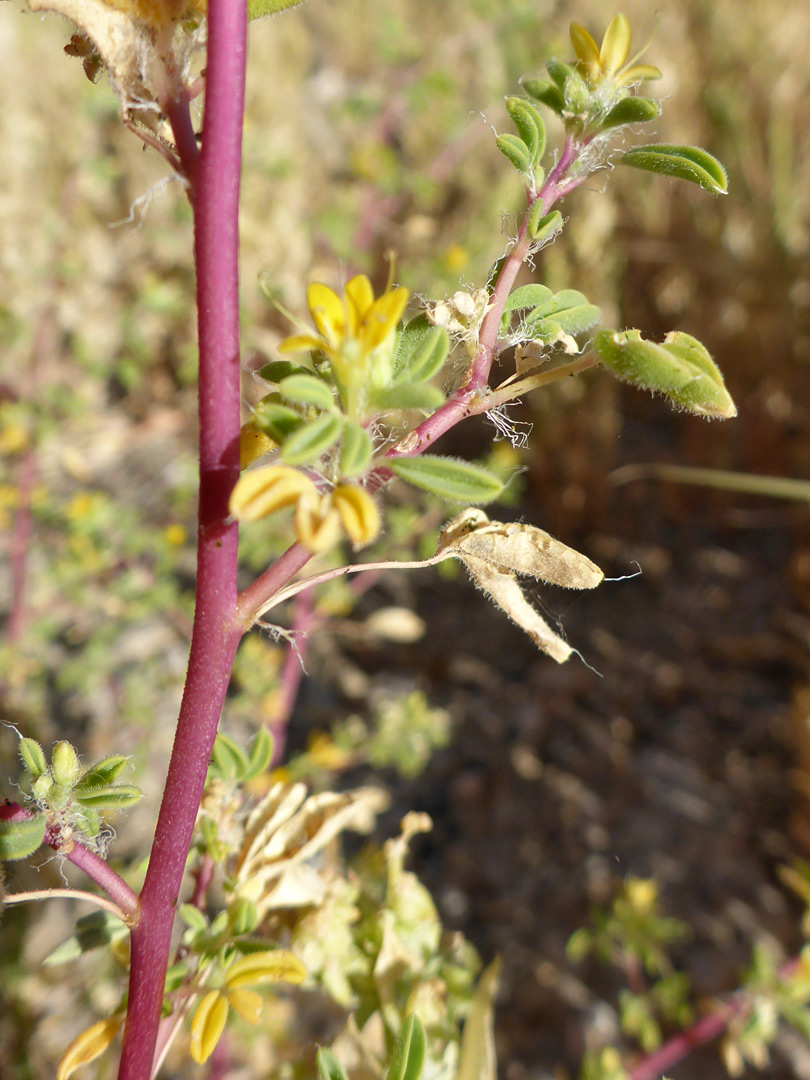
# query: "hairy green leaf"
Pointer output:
{"type": "Point", "coordinates": [102, 772]}
{"type": "Point", "coordinates": [33, 757]}
{"type": "Point", "coordinates": [527, 296]}
{"type": "Point", "coordinates": [307, 390]}
{"type": "Point", "coordinates": [516, 151]}
{"type": "Point", "coordinates": [309, 441]}
{"type": "Point", "coordinates": [93, 931]}
{"type": "Point", "coordinates": [409, 1057]}
{"type": "Point", "coordinates": [356, 449]}
{"type": "Point", "coordinates": [683, 162]}
{"type": "Point", "coordinates": [228, 758]}
{"type": "Point", "coordinates": [257, 9]}
{"type": "Point", "coordinates": [458, 481]}
{"type": "Point", "coordinates": [421, 396]}
{"type": "Point", "coordinates": [530, 126]}
{"type": "Point", "coordinates": [542, 227]}
{"type": "Point", "coordinates": [426, 357]}
{"type": "Point", "coordinates": [631, 110]}
{"type": "Point", "coordinates": [546, 93]}
{"type": "Point", "coordinates": [261, 754]}
{"type": "Point", "coordinates": [109, 797]}
{"type": "Point", "coordinates": [559, 71]}
{"type": "Point", "coordinates": [21, 838]}
{"type": "Point", "coordinates": [329, 1068]}
{"type": "Point", "coordinates": [277, 370]}
{"type": "Point", "coordinates": [274, 419]}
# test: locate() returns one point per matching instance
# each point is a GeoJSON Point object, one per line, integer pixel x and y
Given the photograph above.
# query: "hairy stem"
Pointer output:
{"type": "Point", "coordinates": [216, 632]}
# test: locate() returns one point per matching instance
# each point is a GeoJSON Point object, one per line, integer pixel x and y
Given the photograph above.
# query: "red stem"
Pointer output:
{"type": "Point", "coordinates": [216, 633]}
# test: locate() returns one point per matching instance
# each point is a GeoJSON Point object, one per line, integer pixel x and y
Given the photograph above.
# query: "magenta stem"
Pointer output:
{"type": "Point", "coordinates": [292, 672]}
{"type": "Point", "coordinates": [216, 632]}
{"type": "Point", "coordinates": [98, 871]}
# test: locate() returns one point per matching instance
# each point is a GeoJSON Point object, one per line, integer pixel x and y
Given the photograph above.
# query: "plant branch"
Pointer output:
{"type": "Point", "coordinates": [66, 894]}
{"type": "Point", "coordinates": [216, 632]}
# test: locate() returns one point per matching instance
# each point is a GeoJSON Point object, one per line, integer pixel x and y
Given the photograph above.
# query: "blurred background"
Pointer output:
{"type": "Point", "coordinates": [369, 130]}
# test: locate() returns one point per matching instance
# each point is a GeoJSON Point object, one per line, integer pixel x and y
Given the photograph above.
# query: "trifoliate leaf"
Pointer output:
{"type": "Point", "coordinates": [356, 449]}
{"type": "Point", "coordinates": [311, 440]}
{"type": "Point", "coordinates": [458, 481]}
{"type": "Point", "coordinates": [307, 390]}
{"type": "Point", "coordinates": [631, 110]}
{"type": "Point", "coordinates": [516, 151]}
{"type": "Point", "coordinates": [683, 162]}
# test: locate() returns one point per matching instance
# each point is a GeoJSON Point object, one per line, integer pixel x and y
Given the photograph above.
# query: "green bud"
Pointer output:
{"type": "Point", "coordinates": [33, 757]}
{"type": "Point", "coordinates": [65, 765]}
{"type": "Point", "coordinates": [42, 787]}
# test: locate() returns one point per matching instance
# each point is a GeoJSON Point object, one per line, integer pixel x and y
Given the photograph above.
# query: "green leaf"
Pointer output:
{"type": "Point", "coordinates": [631, 110]}
{"type": "Point", "coordinates": [276, 420]}
{"type": "Point", "coordinates": [546, 93]}
{"type": "Point", "coordinates": [683, 162]}
{"type": "Point", "coordinates": [530, 126]}
{"type": "Point", "coordinates": [102, 772]}
{"type": "Point", "coordinates": [421, 396]}
{"type": "Point", "coordinates": [527, 296]}
{"type": "Point", "coordinates": [329, 1068]}
{"type": "Point", "coordinates": [409, 1057]}
{"type": "Point", "coordinates": [426, 357]}
{"type": "Point", "coordinates": [21, 838]}
{"type": "Point", "coordinates": [356, 449]}
{"type": "Point", "coordinates": [559, 71]}
{"type": "Point", "coordinates": [307, 390]}
{"type": "Point", "coordinates": [277, 370]}
{"type": "Point", "coordinates": [458, 481]}
{"type": "Point", "coordinates": [228, 758]}
{"type": "Point", "coordinates": [516, 151]}
{"type": "Point", "coordinates": [33, 757]}
{"type": "Point", "coordinates": [261, 754]}
{"type": "Point", "coordinates": [93, 931]}
{"type": "Point", "coordinates": [680, 367]}
{"type": "Point", "coordinates": [193, 918]}
{"type": "Point", "coordinates": [257, 9]}
{"type": "Point", "coordinates": [311, 440]}
{"type": "Point", "coordinates": [109, 797]}
{"type": "Point", "coordinates": [542, 227]}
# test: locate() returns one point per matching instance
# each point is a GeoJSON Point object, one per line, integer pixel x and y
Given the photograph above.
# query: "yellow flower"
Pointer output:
{"type": "Point", "coordinates": [355, 333]}
{"type": "Point", "coordinates": [87, 1046]}
{"type": "Point", "coordinates": [597, 64]}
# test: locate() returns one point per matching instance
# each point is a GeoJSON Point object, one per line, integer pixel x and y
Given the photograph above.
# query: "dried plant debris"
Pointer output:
{"type": "Point", "coordinates": [495, 554]}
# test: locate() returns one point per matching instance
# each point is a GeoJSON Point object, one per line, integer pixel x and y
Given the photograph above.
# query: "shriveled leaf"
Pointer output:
{"type": "Point", "coordinates": [458, 481]}
{"type": "Point", "coordinates": [683, 162]}
{"type": "Point", "coordinates": [518, 548]}
{"type": "Point", "coordinates": [311, 440]}
{"type": "Point", "coordinates": [477, 1060]}
{"type": "Point", "coordinates": [21, 838]}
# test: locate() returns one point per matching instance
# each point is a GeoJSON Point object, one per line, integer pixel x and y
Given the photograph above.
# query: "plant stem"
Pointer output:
{"type": "Point", "coordinates": [65, 894]}
{"type": "Point", "coordinates": [216, 632]}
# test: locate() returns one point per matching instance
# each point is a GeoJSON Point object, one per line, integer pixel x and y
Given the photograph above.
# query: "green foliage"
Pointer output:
{"type": "Point", "coordinates": [682, 162]}
{"type": "Point", "coordinates": [457, 481]}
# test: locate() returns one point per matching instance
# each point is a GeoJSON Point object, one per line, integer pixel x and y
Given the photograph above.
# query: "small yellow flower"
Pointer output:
{"type": "Point", "coordinates": [263, 491]}
{"type": "Point", "coordinates": [597, 64]}
{"type": "Point", "coordinates": [358, 514]}
{"type": "Point", "coordinates": [175, 535]}
{"type": "Point", "coordinates": [317, 522]}
{"type": "Point", "coordinates": [87, 1046]}
{"type": "Point", "coordinates": [253, 444]}
{"type": "Point", "coordinates": [356, 334]}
